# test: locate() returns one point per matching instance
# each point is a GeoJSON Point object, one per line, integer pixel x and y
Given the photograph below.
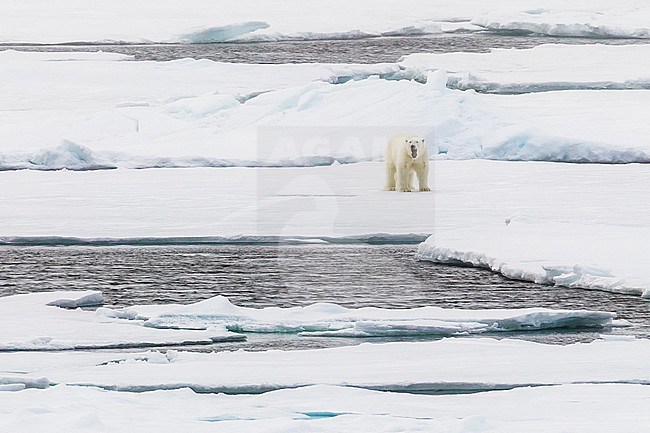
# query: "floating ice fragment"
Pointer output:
{"type": "Point", "coordinates": [327, 319]}
{"type": "Point", "coordinates": [64, 329]}
{"type": "Point", "coordinates": [621, 323]}
{"type": "Point", "coordinates": [613, 337]}
{"type": "Point", "coordinates": [84, 299]}
{"type": "Point", "coordinates": [222, 33]}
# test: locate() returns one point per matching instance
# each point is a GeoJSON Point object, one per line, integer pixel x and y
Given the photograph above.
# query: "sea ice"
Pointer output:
{"type": "Point", "coordinates": [191, 113]}
{"type": "Point", "coordinates": [325, 319]}
{"type": "Point", "coordinates": [206, 322]}
{"type": "Point", "coordinates": [585, 19]}
{"type": "Point", "coordinates": [575, 408]}
{"type": "Point", "coordinates": [54, 328]}
{"type": "Point", "coordinates": [151, 21]}
{"type": "Point", "coordinates": [447, 365]}
{"type": "Point", "coordinates": [542, 68]}
{"type": "Point", "coordinates": [569, 225]}
{"type": "Point", "coordinates": [590, 237]}
{"type": "Point", "coordinates": [533, 221]}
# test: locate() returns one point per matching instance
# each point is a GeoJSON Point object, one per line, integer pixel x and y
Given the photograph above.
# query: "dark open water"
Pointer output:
{"type": "Point", "coordinates": [372, 50]}
{"type": "Point", "coordinates": [261, 276]}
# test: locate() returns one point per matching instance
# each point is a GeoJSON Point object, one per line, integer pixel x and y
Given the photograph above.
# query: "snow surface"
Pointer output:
{"type": "Point", "coordinates": [447, 365]}
{"type": "Point", "coordinates": [99, 111]}
{"type": "Point", "coordinates": [575, 408]}
{"type": "Point", "coordinates": [542, 68]}
{"type": "Point", "coordinates": [195, 21]}
{"type": "Point", "coordinates": [37, 322]}
{"type": "Point", "coordinates": [582, 18]}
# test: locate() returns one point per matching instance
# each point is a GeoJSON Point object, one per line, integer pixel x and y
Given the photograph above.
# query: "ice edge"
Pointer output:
{"type": "Point", "coordinates": [576, 276]}
{"type": "Point", "coordinates": [371, 238]}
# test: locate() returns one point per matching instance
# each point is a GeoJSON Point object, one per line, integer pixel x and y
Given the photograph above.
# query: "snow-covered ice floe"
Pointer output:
{"type": "Point", "coordinates": [53, 321]}
{"type": "Point", "coordinates": [190, 113]}
{"type": "Point", "coordinates": [581, 226]}
{"type": "Point", "coordinates": [250, 20]}
{"type": "Point", "coordinates": [369, 238]}
{"type": "Point", "coordinates": [257, 20]}
{"type": "Point", "coordinates": [575, 408]}
{"type": "Point", "coordinates": [326, 319]}
{"type": "Point", "coordinates": [627, 19]}
{"type": "Point", "coordinates": [540, 69]}
{"type": "Point", "coordinates": [447, 365]}
{"type": "Point", "coordinates": [213, 320]}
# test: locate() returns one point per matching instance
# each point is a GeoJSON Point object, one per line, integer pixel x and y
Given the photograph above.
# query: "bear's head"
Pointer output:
{"type": "Point", "coordinates": [416, 146]}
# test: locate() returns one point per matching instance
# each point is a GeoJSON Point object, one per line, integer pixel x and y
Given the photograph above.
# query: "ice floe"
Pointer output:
{"type": "Point", "coordinates": [543, 68]}
{"type": "Point", "coordinates": [448, 365]}
{"type": "Point", "coordinates": [576, 229]}
{"type": "Point", "coordinates": [577, 408]}
{"type": "Point", "coordinates": [255, 20]}
{"type": "Point", "coordinates": [216, 319]}
{"type": "Point", "coordinates": [56, 328]}
{"type": "Point", "coordinates": [369, 238]}
{"type": "Point", "coordinates": [325, 319]}
{"type": "Point", "coordinates": [623, 20]}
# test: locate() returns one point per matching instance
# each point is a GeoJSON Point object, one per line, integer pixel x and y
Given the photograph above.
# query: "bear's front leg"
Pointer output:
{"type": "Point", "coordinates": [403, 179]}
{"type": "Point", "coordinates": [423, 177]}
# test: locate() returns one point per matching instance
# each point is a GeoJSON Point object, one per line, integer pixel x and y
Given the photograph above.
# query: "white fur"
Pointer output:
{"type": "Point", "coordinates": [400, 164]}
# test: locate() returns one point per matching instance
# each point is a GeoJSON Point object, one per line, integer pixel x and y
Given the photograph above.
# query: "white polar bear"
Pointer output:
{"type": "Point", "coordinates": [405, 155]}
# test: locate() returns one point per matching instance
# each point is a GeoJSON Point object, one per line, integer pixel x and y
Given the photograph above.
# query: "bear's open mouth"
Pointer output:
{"type": "Point", "coordinates": [414, 151]}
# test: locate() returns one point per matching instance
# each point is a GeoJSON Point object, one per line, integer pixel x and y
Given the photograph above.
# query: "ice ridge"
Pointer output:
{"type": "Point", "coordinates": [522, 88]}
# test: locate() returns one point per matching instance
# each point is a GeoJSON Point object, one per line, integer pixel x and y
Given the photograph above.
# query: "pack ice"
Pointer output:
{"type": "Point", "coordinates": [222, 115]}
{"type": "Point", "coordinates": [152, 21]}
{"type": "Point", "coordinates": [459, 364]}
{"type": "Point", "coordinates": [213, 320]}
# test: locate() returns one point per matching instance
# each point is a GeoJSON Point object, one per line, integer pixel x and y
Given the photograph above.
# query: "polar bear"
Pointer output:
{"type": "Point", "coordinates": [405, 155]}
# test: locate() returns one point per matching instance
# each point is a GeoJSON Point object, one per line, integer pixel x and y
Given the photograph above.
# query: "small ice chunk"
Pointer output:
{"type": "Point", "coordinates": [84, 299]}
{"type": "Point", "coordinates": [437, 80]}
{"type": "Point", "coordinates": [13, 387]}
{"type": "Point", "coordinates": [124, 313]}
{"type": "Point", "coordinates": [612, 337]}
{"type": "Point", "coordinates": [621, 323]}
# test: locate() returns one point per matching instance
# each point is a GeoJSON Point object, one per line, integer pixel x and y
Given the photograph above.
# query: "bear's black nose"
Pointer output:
{"type": "Point", "coordinates": [414, 151]}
